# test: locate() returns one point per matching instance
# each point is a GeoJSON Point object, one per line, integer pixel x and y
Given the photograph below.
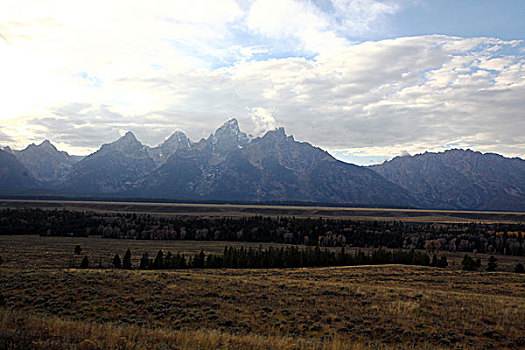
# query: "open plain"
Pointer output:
{"type": "Point", "coordinates": [240, 210]}
{"type": "Point", "coordinates": [47, 305]}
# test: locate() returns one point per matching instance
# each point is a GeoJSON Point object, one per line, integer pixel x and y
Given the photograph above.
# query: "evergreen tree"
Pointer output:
{"type": "Point", "coordinates": [126, 263]}
{"type": "Point", "coordinates": [468, 264]}
{"type": "Point", "coordinates": [117, 262]}
{"type": "Point", "coordinates": [180, 261]}
{"type": "Point", "coordinates": [435, 262]}
{"type": "Point", "coordinates": [492, 263]}
{"type": "Point", "coordinates": [144, 261]}
{"type": "Point", "coordinates": [85, 263]}
{"type": "Point", "coordinates": [478, 263]}
{"type": "Point", "coordinates": [519, 268]}
{"type": "Point", "coordinates": [168, 261]}
{"type": "Point", "coordinates": [443, 262]}
{"type": "Point", "coordinates": [158, 263]}
{"type": "Point", "coordinates": [78, 250]}
{"type": "Point", "coordinates": [198, 260]}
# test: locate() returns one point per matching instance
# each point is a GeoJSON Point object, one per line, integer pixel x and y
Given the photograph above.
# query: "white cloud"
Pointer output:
{"type": "Point", "coordinates": [312, 29]}
{"type": "Point", "coordinates": [77, 74]}
{"type": "Point", "coordinates": [360, 16]}
{"type": "Point", "coordinates": [263, 119]}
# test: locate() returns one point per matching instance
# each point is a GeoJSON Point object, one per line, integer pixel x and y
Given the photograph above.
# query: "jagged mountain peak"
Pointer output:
{"type": "Point", "coordinates": [277, 134]}
{"type": "Point", "coordinates": [177, 138]}
{"type": "Point", "coordinates": [45, 161]}
{"type": "Point", "coordinates": [46, 143]}
{"type": "Point", "coordinates": [128, 138]}
{"type": "Point", "coordinates": [177, 141]}
{"type": "Point", "coordinates": [231, 127]}
{"type": "Point", "coordinates": [126, 144]}
{"type": "Point", "coordinates": [45, 147]}
{"type": "Point", "coordinates": [228, 136]}
{"type": "Point", "coordinates": [129, 135]}
{"type": "Point", "coordinates": [232, 122]}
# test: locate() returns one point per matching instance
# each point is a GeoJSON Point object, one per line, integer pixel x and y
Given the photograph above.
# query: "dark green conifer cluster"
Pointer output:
{"type": "Point", "coordinates": [469, 264]}
{"type": "Point", "coordinates": [288, 257]}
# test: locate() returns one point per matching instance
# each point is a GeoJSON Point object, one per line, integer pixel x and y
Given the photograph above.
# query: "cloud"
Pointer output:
{"type": "Point", "coordinates": [318, 27]}
{"type": "Point", "coordinates": [5, 138]}
{"type": "Point", "coordinates": [407, 94]}
{"type": "Point", "coordinates": [263, 119]}
{"type": "Point", "coordinates": [77, 75]}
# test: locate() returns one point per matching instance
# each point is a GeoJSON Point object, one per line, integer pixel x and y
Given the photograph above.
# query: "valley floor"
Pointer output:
{"type": "Point", "coordinates": [48, 306]}
{"type": "Point", "coordinates": [234, 210]}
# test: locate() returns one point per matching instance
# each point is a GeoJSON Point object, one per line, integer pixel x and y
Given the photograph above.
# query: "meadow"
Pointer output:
{"type": "Point", "coordinates": [238, 210]}
{"type": "Point", "coordinates": [47, 305]}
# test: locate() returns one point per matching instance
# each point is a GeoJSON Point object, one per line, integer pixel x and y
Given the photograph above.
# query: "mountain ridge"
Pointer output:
{"type": "Point", "coordinates": [45, 162]}
{"type": "Point", "coordinates": [460, 179]}
{"type": "Point", "coordinates": [228, 165]}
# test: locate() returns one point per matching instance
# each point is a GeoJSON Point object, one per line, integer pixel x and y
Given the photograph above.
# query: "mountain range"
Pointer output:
{"type": "Point", "coordinates": [229, 166]}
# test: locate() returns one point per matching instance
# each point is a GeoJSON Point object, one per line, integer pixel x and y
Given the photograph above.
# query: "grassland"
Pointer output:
{"type": "Point", "coordinates": [231, 210]}
{"type": "Point", "coordinates": [387, 307]}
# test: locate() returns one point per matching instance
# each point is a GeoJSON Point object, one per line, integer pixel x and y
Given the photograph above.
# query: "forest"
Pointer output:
{"type": "Point", "coordinates": [497, 238]}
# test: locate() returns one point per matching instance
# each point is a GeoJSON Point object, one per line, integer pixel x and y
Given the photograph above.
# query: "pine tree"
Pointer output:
{"type": "Point", "coordinates": [492, 263]}
{"type": "Point", "coordinates": [468, 264]}
{"type": "Point", "coordinates": [78, 250]}
{"type": "Point", "coordinates": [158, 263]}
{"type": "Point", "coordinates": [202, 257]}
{"type": "Point", "coordinates": [168, 261]}
{"type": "Point", "coordinates": [443, 262]}
{"type": "Point", "coordinates": [519, 268]}
{"type": "Point", "coordinates": [435, 262]}
{"type": "Point", "coordinates": [144, 261]}
{"type": "Point", "coordinates": [478, 263]}
{"type": "Point", "coordinates": [116, 261]}
{"type": "Point", "coordinates": [85, 263]}
{"type": "Point", "coordinates": [126, 263]}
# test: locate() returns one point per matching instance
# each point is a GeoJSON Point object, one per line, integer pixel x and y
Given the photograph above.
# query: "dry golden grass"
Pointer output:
{"type": "Point", "coordinates": [404, 307]}
{"type": "Point", "coordinates": [386, 307]}
{"type": "Point", "coordinates": [53, 332]}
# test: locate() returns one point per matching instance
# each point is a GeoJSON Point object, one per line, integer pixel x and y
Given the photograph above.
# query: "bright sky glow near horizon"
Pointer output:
{"type": "Point", "coordinates": [366, 80]}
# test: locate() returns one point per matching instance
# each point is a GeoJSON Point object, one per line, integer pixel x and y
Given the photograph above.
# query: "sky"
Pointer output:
{"type": "Point", "coordinates": [366, 80]}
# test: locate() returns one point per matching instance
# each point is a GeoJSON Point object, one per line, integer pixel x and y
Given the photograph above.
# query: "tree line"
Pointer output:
{"type": "Point", "coordinates": [287, 257]}
{"type": "Point", "coordinates": [507, 239]}
{"type": "Point", "coordinates": [272, 257]}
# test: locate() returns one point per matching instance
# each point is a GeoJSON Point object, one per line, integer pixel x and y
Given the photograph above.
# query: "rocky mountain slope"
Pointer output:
{"type": "Point", "coordinates": [14, 176]}
{"type": "Point", "coordinates": [45, 162]}
{"type": "Point", "coordinates": [460, 179]}
{"type": "Point", "coordinates": [113, 169]}
{"type": "Point", "coordinates": [272, 168]}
